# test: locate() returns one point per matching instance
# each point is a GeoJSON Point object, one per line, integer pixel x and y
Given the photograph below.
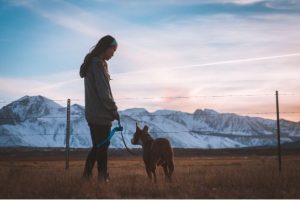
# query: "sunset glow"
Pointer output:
{"type": "Point", "coordinates": [226, 55]}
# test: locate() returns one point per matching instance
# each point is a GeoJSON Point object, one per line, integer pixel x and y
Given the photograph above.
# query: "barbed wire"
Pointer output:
{"type": "Point", "coordinates": [34, 134]}
{"type": "Point", "coordinates": [42, 117]}
{"type": "Point", "coordinates": [202, 96]}
{"type": "Point", "coordinates": [204, 132]}
{"type": "Point", "coordinates": [172, 97]}
{"type": "Point", "coordinates": [62, 100]}
{"type": "Point", "coordinates": [153, 115]}
{"type": "Point", "coordinates": [218, 114]}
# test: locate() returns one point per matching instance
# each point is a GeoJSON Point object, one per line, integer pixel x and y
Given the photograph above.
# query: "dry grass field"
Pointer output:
{"type": "Point", "coordinates": [195, 177]}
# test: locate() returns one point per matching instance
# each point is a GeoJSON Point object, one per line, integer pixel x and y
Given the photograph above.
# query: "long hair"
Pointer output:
{"type": "Point", "coordinates": [103, 44]}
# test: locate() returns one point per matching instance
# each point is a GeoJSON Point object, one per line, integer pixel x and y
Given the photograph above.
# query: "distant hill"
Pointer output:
{"type": "Point", "coordinates": [36, 121]}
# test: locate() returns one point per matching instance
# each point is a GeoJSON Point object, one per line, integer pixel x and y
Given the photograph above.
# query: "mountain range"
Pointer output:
{"type": "Point", "coordinates": [36, 121]}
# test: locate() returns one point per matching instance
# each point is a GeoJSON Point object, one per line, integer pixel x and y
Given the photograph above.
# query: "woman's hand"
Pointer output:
{"type": "Point", "coordinates": [116, 115]}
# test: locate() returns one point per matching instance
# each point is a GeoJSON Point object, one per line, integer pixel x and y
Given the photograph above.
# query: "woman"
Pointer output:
{"type": "Point", "coordinates": [100, 107]}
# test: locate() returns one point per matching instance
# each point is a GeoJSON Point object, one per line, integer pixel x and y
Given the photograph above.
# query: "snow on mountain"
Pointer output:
{"type": "Point", "coordinates": [232, 123]}
{"type": "Point", "coordinates": [36, 121]}
{"type": "Point", "coordinates": [28, 107]}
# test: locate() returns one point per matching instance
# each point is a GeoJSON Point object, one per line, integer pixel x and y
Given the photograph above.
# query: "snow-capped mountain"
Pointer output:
{"type": "Point", "coordinates": [36, 121]}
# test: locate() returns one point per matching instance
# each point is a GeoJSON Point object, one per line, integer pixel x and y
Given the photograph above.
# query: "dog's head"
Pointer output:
{"type": "Point", "coordinates": [138, 135]}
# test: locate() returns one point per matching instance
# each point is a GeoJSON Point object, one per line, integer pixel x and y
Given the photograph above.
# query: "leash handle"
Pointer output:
{"type": "Point", "coordinates": [115, 129]}
{"type": "Point", "coordinates": [112, 132]}
{"type": "Point", "coordinates": [119, 128]}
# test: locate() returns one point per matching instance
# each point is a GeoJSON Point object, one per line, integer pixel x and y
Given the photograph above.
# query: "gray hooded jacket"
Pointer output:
{"type": "Point", "coordinates": [100, 107]}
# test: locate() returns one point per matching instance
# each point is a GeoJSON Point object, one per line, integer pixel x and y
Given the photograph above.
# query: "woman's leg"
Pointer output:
{"type": "Point", "coordinates": [92, 156]}
{"type": "Point", "coordinates": [89, 163]}
{"type": "Point", "coordinates": [101, 135]}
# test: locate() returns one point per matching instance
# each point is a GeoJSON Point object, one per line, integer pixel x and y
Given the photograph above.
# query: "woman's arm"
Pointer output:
{"type": "Point", "coordinates": [103, 88]}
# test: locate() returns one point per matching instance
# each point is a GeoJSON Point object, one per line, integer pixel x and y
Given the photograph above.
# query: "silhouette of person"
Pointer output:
{"type": "Point", "coordinates": [100, 107]}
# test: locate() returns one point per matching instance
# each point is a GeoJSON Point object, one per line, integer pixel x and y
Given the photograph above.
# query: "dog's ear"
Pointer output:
{"type": "Point", "coordinates": [136, 126]}
{"type": "Point", "coordinates": [145, 129]}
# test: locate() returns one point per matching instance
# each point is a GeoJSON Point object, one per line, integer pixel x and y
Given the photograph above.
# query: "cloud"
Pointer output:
{"type": "Point", "coordinates": [58, 86]}
{"type": "Point", "coordinates": [218, 63]}
{"type": "Point", "coordinates": [284, 5]}
{"type": "Point", "coordinates": [205, 55]}
{"type": "Point", "coordinates": [64, 14]}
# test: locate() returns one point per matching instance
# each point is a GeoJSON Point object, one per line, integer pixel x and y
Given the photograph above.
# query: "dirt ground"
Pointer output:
{"type": "Point", "coordinates": [235, 175]}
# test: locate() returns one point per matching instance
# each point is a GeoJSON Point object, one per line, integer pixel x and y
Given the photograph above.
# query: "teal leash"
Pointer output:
{"type": "Point", "coordinates": [119, 128]}
{"type": "Point", "coordinates": [129, 151]}
{"type": "Point", "coordinates": [112, 132]}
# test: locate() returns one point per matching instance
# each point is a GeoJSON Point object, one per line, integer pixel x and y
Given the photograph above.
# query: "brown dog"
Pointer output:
{"type": "Point", "coordinates": [155, 152]}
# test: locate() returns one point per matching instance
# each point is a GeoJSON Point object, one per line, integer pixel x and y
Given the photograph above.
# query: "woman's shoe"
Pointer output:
{"type": "Point", "coordinates": [104, 178]}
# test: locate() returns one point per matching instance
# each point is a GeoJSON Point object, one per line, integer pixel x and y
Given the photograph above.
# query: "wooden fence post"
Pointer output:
{"type": "Point", "coordinates": [278, 132]}
{"type": "Point", "coordinates": [67, 152]}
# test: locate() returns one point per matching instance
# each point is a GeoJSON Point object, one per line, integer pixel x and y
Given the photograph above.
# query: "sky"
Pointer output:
{"type": "Point", "coordinates": [226, 55]}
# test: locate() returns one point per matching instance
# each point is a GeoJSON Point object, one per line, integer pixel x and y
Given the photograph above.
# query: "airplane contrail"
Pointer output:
{"type": "Point", "coordinates": [214, 63]}
{"type": "Point", "coordinates": [56, 85]}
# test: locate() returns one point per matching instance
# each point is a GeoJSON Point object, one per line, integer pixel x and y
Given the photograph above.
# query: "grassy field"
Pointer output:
{"type": "Point", "coordinates": [195, 177]}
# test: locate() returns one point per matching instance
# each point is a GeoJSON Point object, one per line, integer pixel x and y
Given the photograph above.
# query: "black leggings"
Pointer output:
{"type": "Point", "coordinates": [98, 133]}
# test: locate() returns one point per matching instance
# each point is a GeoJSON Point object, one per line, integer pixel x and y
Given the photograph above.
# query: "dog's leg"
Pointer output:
{"type": "Point", "coordinates": [153, 168]}
{"type": "Point", "coordinates": [171, 168]}
{"type": "Point", "coordinates": [148, 170]}
{"type": "Point", "coordinates": [154, 175]}
{"type": "Point", "coordinates": [165, 167]}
